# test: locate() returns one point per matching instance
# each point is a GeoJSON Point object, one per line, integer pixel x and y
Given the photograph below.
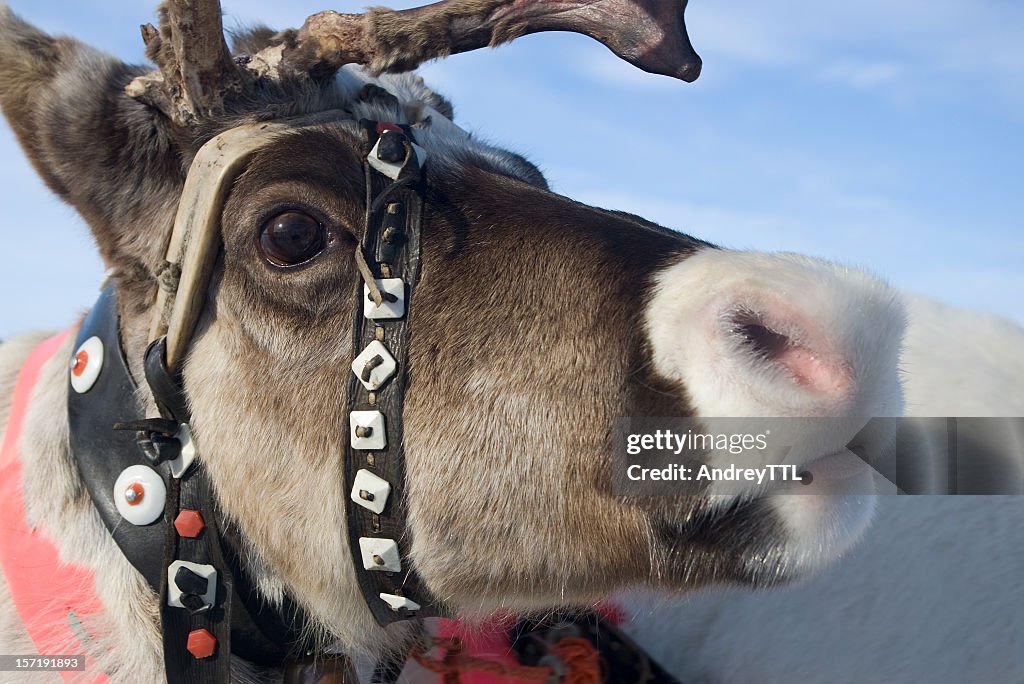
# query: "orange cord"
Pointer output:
{"type": "Point", "coordinates": [581, 659]}
{"type": "Point", "coordinates": [578, 654]}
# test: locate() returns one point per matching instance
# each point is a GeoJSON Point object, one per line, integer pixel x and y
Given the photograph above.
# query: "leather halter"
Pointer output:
{"type": "Point", "coordinates": [209, 605]}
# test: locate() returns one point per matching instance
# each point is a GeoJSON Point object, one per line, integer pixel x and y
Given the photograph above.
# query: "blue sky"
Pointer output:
{"type": "Point", "coordinates": [885, 134]}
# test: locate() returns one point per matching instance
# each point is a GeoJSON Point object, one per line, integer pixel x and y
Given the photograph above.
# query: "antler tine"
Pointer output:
{"type": "Point", "coordinates": [650, 34]}
{"type": "Point", "coordinates": [197, 73]}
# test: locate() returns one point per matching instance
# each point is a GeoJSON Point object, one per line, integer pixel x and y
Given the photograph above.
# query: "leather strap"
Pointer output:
{"type": "Point", "coordinates": [102, 453]}
{"type": "Point", "coordinates": [391, 247]}
{"type": "Point", "coordinates": [191, 492]}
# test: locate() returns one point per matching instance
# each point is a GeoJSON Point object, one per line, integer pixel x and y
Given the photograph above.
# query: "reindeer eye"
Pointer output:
{"type": "Point", "coordinates": [292, 238]}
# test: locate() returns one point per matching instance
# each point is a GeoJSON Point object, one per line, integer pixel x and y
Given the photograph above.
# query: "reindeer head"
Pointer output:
{"type": "Point", "coordinates": [537, 321]}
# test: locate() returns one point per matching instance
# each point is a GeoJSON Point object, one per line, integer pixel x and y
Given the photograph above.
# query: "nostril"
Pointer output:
{"type": "Point", "coordinates": [759, 339]}
{"type": "Point", "coordinates": [807, 363]}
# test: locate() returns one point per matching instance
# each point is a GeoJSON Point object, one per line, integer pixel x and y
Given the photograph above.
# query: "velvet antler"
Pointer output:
{"type": "Point", "coordinates": [197, 74]}
{"type": "Point", "coordinates": [649, 34]}
{"type": "Point", "coordinates": [198, 77]}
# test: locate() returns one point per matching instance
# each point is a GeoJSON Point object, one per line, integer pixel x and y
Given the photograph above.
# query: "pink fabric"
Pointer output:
{"type": "Point", "coordinates": [490, 641]}
{"type": "Point", "coordinates": [483, 641]}
{"type": "Point", "coordinates": [44, 588]}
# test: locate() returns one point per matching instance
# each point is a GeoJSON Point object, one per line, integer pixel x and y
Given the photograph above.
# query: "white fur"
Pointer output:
{"type": "Point", "coordinates": [851, 318]}
{"type": "Point", "coordinates": [850, 323]}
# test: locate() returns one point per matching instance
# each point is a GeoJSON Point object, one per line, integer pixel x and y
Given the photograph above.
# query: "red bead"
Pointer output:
{"type": "Point", "coordinates": [201, 644]}
{"type": "Point", "coordinates": [189, 523]}
{"type": "Point", "coordinates": [384, 126]}
{"type": "Point", "coordinates": [81, 361]}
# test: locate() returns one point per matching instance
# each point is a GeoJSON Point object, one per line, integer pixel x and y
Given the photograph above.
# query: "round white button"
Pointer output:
{"type": "Point", "coordinates": [86, 365]}
{"type": "Point", "coordinates": [139, 495]}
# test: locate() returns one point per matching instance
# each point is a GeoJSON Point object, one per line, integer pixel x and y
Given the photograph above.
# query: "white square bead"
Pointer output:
{"type": "Point", "coordinates": [398, 602]}
{"type": "Point", "coordinates": [389, 169]}
{"type": "Point", "coordinates": [207, 572]}
{"type": "Point", "coordinates": [187, 455]}
{"type": "Point", "coordinates": [387, 310]}
{"type": "Point", "coordinates": [386, 550]}
{"type": "Point", "coordinates": [373, 421]}
{"type": "Point", "coordinates": [377, 491]}
{"type": "Point", "coordinates": [380, 374]}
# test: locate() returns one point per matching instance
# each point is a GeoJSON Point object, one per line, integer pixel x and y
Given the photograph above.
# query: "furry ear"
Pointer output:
{"type": "Point", "coordinates": [112, 158]}
{"type": "Point", "coordinates": [251, 40]}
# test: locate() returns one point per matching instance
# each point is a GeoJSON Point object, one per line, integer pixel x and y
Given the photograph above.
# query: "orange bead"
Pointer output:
{"type": "Point", "coordinates": [81, 361]}
{"type": "Point", "coordinates": [189, 523]}
{"type": "Point", "coordinates": [201, 644]}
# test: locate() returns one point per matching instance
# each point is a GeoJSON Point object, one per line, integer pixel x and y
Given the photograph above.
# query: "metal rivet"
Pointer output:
{"type": "Point", "coordinates": [372, 398]}
{"type": "Point", "coordinates": [394, 207]}
{"type": "Point", "coordinates": [134, 494]}
{"type": "Point", "coordinates": [385, 270]}
{"type": "Point", "coordinates": [365, 495]}
{"type": "Point", "coordinates": [376, 523]}
{"type": "Point", "coordinates": [362, 432]}
{"type": "Point", "coordinates": [370, 459]}
{"type": "Point", "coordinates": [378, 560]}
{"type": "Point", "coordinates": [378, 333]}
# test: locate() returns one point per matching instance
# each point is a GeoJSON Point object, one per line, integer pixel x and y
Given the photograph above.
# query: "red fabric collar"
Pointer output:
{"type": "Point", "coordinates": [50, 595]}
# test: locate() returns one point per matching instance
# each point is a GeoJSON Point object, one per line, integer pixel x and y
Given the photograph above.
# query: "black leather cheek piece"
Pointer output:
{"type": "Point", "coordinates": [101, 452]}
{"type": "Point", "coordinates": [108, 433]}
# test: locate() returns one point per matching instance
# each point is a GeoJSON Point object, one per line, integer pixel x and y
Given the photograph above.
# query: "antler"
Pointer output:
{"type": "Point", "coordinates": [649, 34]}
{"type": "Point", "coordinates": [197, 74]}
{"type": "Point", "coordinates": [198, 78]}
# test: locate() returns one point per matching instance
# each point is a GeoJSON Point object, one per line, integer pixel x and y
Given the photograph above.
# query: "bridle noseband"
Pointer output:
{"type": "Point", "coordinates": [129, 461]}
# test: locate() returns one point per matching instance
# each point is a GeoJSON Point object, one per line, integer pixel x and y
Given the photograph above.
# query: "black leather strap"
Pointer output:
{"type": "Point", "coordinates": [191, 492]}
{"type": "Point", "coordinates": [167, 389]}
{"type": "Point", "coordinates": [391, 247]}
{"type": "Point", "coordinates": [102, 453]}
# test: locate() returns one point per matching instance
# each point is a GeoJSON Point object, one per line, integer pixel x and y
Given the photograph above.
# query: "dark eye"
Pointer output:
{"type": "Point", "coordinates": [292, 238]}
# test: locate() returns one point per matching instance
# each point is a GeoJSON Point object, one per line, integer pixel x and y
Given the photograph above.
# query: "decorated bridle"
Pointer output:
{"type": "Point", "coordinates": [145, 473]}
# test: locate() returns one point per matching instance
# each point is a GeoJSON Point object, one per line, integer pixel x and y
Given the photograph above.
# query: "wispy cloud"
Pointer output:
{"type": "Point", "coordinates": [865, 76]}
{"type": "Point", "coordinates": [943, 40]}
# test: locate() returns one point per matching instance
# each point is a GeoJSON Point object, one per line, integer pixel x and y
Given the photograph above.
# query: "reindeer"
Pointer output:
{"type": "Point", "coordinates": [256, 211]}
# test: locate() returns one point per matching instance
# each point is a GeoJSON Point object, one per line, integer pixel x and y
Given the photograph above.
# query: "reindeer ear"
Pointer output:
{"type": "Point", "coordinates": [109, 156]}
